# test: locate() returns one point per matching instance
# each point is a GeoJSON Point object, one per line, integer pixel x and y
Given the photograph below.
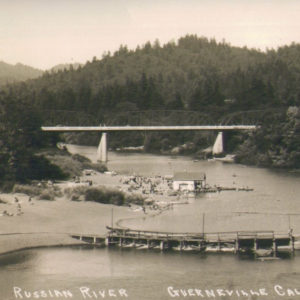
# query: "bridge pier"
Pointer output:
{"type": "Point", "coordinates": [218, 146]}
{"type": "Point", "coordinates": [102, 148]}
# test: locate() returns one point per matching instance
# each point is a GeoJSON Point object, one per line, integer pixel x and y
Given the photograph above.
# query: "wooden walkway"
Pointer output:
{"type": "Point", "coordinates": [261, 243]}
{"type": "Point", "coordinates": [241, 241]}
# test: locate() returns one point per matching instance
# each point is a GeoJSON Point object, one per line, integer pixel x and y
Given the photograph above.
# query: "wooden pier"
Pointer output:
{"type": "Point", "coordinates": [92, 239]}
{"type": "Point", "coordinates": [259, 243]}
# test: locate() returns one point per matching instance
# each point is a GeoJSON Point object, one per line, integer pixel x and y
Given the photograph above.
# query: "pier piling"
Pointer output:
{"type": "Point", "coordinates": [162, 245]}
{"type": "Point", "coordinates": [260, 242]}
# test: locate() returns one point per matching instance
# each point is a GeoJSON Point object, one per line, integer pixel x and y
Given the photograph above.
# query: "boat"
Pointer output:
{"type": "Point", "coordinates": [128, 245]}
{"type": "Point", "coordinates": [229, 158]}
{"type": "Point", "coordinates": [297, 245]}
{"type": "Point", "coordinates": [186, 248]}
{"type": "Point", "coordinates": [227, 248]}
{"type": "Point", "coordinates": [190, 248]}
{"type": "Point", "coordinates": [177, 248]}
{"type": "Point", "coordinates": [286, 248]}
{"type": "Point", "coordinates": [154, 246]}
{"type": "Point", "coordinates": [212, 248]}
{"type": "Point", "coordinates": [141, 246]}
{"type": "Point", "coordinates": [263, 252]}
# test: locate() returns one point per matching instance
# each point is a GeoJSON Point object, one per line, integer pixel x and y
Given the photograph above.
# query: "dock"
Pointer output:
{"type": "Point", "coordinates": [92, 239]}
{"type": "Point", "coordinates": [260, 243]}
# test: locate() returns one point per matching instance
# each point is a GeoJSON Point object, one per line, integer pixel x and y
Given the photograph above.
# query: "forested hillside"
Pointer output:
{"type": "Point", "coordinates": [194, 73]}
{"type": "Point", "coordinates": [205, 79]}
{"type": "Point", "coordinates": [20, 140]}
{"type": "Point", "coordinates": [15, 73]}
{"type": "Point", "coordinates": [62, 67]}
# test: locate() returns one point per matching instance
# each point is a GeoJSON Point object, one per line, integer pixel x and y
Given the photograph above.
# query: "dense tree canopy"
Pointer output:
{"type": "Point", "coordinates": [20, 137]}
{"type": "Point", "coordinates": [193, 75]}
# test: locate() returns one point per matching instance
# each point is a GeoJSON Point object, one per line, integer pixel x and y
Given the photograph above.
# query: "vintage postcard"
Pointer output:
{"type": "Point", "coordinates": [149, 149]}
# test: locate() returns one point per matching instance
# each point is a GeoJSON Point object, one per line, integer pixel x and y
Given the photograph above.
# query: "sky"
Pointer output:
{"type": "Point", "coordinates": [44, 33]}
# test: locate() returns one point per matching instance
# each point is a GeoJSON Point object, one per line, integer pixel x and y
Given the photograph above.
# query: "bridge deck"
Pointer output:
{"type": "Point", "coordinates": [214, 236]}
{"type": "Point", "coordinates": [145, 128]}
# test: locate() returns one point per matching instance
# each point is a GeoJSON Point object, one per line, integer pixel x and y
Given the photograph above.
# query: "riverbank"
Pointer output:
{"type": "Point", "coordinates": [42, 223]}
{"type": "Point", "coordinates": [12, 242]}
{"type": "Point", "coordinates": [271, 206]}
{"type": "Point", "coordinates": [28, 222]}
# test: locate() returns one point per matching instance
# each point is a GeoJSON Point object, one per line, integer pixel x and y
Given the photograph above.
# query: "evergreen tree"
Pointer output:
{"type": "Point", "coordinates": [176, 104]}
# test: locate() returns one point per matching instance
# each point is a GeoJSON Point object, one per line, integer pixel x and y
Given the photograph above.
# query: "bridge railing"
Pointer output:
{"type": "Point", "coordinates": [211, 236]}
{"type": "Point", "coordinates": [153, 118]}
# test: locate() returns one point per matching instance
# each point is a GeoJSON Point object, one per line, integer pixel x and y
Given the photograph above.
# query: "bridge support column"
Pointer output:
{"type": "Point", "coordinates": [102, 148]}
{"type": "Point", "coordinates": [219, 144]}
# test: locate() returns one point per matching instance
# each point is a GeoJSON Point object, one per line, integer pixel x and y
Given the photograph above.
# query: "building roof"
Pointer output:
{"type": "Point", "coordinates": [189, 176]}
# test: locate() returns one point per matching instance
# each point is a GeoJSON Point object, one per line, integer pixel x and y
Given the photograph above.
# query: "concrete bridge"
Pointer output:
{"type": "Point", "coordinates": [102, 148]}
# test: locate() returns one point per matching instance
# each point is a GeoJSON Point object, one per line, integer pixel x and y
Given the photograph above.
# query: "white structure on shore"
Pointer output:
{"type": "Point", "coordinates": [184, 181]}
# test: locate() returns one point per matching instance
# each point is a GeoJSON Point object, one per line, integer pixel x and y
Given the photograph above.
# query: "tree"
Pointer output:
{"type": "Point", "coordinates": [206, 95]}
{"type": "Point", "coordinates": [20, 137]}
{"type": "Point", "coordinates": [176, 104]}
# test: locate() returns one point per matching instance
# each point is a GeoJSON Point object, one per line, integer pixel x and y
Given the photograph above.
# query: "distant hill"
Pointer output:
{"type": "Point", "coordinates": [194, 73]}
{"type": "Point", "coordinates": [194, 80]}
{"type": "Point", "coordinates": [15, 73]}
{"type": "Point", "coordinates": [62, 67]}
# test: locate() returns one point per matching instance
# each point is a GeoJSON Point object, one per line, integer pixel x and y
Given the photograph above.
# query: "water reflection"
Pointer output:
{"type": "Point", "coordinates": [144, 274]}
{"type": "Point", "coordinates": [273, 205]}
{"type": "Point", "coordinates": [16, 258]}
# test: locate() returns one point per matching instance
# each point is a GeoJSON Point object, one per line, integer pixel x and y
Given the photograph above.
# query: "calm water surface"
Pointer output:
{"type": "Point", "coordinates": [273, 205]}
{"type": "Point", "coordinates": [143, 274]}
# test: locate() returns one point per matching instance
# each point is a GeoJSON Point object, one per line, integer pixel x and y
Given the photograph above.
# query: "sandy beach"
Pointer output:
{"type": "Point", "coordinates": [50, 223]}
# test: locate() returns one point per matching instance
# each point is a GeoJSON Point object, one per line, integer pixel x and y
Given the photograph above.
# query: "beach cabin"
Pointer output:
{"type": "Point", "coordinates": [187, 181]}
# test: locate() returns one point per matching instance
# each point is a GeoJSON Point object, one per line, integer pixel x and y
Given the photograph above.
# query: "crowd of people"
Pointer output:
{"type": "Point", "coordinates": [16, 210]}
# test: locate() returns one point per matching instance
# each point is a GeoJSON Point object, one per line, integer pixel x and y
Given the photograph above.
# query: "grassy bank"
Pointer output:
{"type": "Point", "coordinates": [71, 164]}
{"type": "Point", "coordinates": [57, 165]}
{"type": "Point", "coordinates": [104, 195]}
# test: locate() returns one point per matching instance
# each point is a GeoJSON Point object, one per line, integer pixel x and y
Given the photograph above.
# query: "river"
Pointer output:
{"type": "Point", "coordinates": [141, 274]}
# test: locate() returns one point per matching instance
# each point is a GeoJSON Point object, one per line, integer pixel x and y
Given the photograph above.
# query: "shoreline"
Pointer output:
{"type": "Point", "coordinates": [42, 223]}
{"type": "Point", "coordinates": [28, 223]}
{"type": "Point", "coordinates": [14, 242]}
{"type": "Point", "coordinates": [195, 158]}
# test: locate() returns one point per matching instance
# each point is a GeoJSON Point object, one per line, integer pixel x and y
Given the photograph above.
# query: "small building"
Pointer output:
{"type": "Point", "coordinates": [187, 181]}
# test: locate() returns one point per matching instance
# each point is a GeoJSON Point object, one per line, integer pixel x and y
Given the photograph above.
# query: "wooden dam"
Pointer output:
{"type": "Point", "coordinates": [260, 243]}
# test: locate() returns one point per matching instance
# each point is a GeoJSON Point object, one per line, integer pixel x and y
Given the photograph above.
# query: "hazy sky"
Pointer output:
{"type": "Point", "coordinates": [43, 33]}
